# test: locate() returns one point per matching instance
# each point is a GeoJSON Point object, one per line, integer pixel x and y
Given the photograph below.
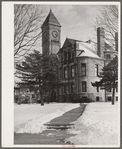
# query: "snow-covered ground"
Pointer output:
{"type": "Point", "coordinates": [99, 125]}
{"type": "Point", "coordinates": [30, 118]}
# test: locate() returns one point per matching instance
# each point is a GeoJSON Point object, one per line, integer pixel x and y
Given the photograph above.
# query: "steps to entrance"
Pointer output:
{"type": "Point", "coordinates": [58, 126]}
{"type": "Point", "coordinates": [65, 121]}
{"type": "Point", "coordinates": [56, 130]}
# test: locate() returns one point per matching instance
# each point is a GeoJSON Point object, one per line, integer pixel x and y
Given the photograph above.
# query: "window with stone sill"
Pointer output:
{"type": "Point", "coordinates": [84, 86]}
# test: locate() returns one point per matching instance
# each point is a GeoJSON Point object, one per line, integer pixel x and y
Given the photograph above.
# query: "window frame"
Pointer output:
{"type": "Point", "coordinates": [97, 89]}
{"type": "Point", "coordinates": [117, 87]}
{"type": "Point", "coordinates": [96, 70]}
{"type": "Point", "coordinates": [83, 71]}
{"type": "Point", "coordinates": [72, 87]}
{"type": "Point", "coordinates": [66, 88]}
{"type": "Point", "coordinates": [69, 55]}
{"type": "Point", "coordinates": [84, 86]}
{"type": "Point", "coordinates": [109, 98]}
{"type": "Point", "coordinates": [108, 56]}
{"type": "Point", "coordinates": [65, 74]}
{"type": "Point", "coordinates": [72, 72]}
{"type": "Point", "coordinates": [72, 55]}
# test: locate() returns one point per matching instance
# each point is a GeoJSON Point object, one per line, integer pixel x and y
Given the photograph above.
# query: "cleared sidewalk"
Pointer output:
{"type": "Point", "coordinates": [65, 121]}
{"type": "Point", "coordinates": [56, 130]}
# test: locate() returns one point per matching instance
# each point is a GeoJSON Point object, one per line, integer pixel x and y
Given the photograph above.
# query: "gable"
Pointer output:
{"type": "Point", "coordinates": [66, 44]}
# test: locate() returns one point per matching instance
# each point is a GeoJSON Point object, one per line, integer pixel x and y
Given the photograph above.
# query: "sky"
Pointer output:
{"type": "Point", "coordinates": [77, 21]}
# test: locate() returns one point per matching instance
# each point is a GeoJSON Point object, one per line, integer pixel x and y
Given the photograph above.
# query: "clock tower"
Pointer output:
{"type": "Point", "coordinates": [51, 29]}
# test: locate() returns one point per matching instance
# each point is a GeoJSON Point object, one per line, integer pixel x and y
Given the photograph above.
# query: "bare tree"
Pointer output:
{"type": "Point", "coordinates": [108, 19]}
{"type": "Point", "coordinates": [27, 28]}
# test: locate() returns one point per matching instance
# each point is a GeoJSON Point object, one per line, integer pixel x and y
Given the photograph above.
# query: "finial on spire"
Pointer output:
{"type": "Point", "coordinates": [50, 10]}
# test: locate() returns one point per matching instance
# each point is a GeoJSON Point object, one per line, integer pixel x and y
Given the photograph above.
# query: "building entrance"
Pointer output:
{"type": "Point", "coordinates": [97, 98]}
{"type": "Point", "coordinates": [53, 96]}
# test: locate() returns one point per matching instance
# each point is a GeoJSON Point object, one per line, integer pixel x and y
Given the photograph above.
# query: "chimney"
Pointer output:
{"type": "Point", "coordinates": [116, 41]}
{"type": "Point", "coordinates": [100, 42]}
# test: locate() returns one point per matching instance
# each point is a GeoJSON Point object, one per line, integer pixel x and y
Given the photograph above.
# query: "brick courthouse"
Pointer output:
{"type": "Point", "coordinates": [80, 64]}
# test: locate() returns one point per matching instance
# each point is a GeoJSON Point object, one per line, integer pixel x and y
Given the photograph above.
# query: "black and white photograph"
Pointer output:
{"type": "Point", "coordinates": [61, 74]}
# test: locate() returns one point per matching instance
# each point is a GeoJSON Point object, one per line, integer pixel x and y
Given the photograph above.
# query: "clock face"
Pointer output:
{"type": "Point", "coordinates": [54, 34]}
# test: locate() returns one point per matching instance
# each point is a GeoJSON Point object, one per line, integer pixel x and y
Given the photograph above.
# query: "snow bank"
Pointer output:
{"type": "Point", "coordinates": [99, 125]}
{"type": "Point", "coordinates": [30, 118]}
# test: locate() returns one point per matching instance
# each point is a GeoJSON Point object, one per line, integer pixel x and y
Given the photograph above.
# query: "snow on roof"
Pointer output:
{"type": "Point", "coordinates": [89, 48]}
{"type": "Point", "coordinates": [110, 51]}
{"type": "Point", "coordinates": [88, 52]}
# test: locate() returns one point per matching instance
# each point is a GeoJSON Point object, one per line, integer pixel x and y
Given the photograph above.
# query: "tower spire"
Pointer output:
{"type": "Point", "coordinates": [51, 19]}
{"type": "Point", "coordinates": [51, 29]}
{"type": "Point", "coordinates": [50, 10]}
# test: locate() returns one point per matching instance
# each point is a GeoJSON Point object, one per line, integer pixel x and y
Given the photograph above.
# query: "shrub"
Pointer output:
{"type": "Point", "coordinates": [21, 99]}
{"type": "Point", "coordinates": [86, 100]}
{"type": "Point", "coordinates": [16, 98]}
{"type": "Point", "coordinates": [76, 100]}
{"type": "Point", "coordinates": [25, 99]}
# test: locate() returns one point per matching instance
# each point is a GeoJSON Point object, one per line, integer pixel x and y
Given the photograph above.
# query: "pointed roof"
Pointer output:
{"type": "Point", "coordinates": [88, 51]}
{"type": "Point", "coordinates": [70, 42]}
{"type": "Point", "coordinates": [51, 19]}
